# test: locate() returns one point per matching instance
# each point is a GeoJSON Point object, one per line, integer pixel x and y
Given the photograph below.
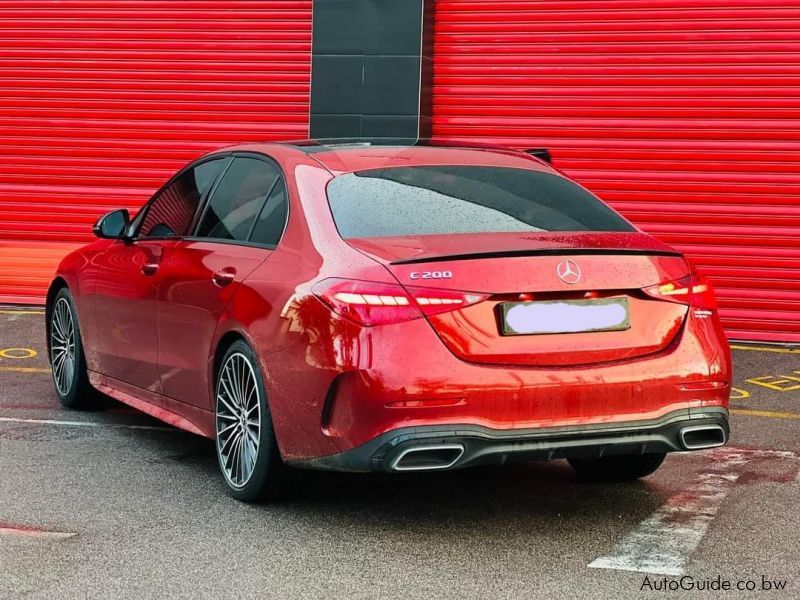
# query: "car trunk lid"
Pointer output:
{"type": "Point", "coordinates": [551, 279]}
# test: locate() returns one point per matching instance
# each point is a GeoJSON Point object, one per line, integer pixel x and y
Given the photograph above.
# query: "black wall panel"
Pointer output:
{"type": "Point", "coordinates": [370, 74]}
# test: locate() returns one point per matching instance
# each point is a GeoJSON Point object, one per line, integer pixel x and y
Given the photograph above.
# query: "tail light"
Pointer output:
{"type": "Point", "coordinates": [693, 290]}
{"type": "Point", "coordinates": [371, 303]}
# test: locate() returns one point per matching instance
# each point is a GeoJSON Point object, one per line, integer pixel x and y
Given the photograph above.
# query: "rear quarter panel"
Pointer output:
{"type": "Point", "coordinates": [288, 327]}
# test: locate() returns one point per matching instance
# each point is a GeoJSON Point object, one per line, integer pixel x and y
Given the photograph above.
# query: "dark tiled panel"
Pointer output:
{"type": "Point", "coordinates": [389, 126]}
{"type": "Point", "coordinates": [336, 84]}
{"type": "Point", "coordinates": [335, 126]}
{"type": "Point", "coordinates": [392, 26]}
{"type": "Point", "coordinates": [366, 67]}
{"type": "Point", "coordinates": [391, 85]}
{"type": "Point", "coordinates": [339, 26]}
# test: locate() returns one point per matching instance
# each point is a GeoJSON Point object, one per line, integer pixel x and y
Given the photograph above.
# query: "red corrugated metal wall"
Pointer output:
{"type": "Point", "coordinates": [683, 114]}
{"type": "Point", "coordinates": [101, 101]}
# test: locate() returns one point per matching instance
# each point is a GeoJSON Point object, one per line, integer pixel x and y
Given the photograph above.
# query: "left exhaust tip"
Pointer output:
{"type": "Point", "coordinates": [428, 458]}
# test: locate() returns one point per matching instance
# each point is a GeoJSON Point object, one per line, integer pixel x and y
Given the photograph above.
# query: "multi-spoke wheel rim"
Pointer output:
{"type": "Point", "coordinates": [238, 419]}
{"type": "Point", "coordinates": [62, 346]}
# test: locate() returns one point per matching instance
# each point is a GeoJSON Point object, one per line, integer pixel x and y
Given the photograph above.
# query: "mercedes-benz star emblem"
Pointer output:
{"type": "Point", "coordinates": [568, 272]}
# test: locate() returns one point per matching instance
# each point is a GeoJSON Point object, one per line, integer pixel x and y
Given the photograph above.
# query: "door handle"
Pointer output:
{"type": "Point", "coordinates": [149, 268]}
{"type": "Point", "coordinates": [224, 277]}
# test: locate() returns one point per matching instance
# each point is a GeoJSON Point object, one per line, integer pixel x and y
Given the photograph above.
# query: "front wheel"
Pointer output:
{"type": "Point", "coordinates": [67, 360]}
{"type": "Point", "coordinates": [626, 467]}
{"type": "Point", "coordinates": [247, 451]}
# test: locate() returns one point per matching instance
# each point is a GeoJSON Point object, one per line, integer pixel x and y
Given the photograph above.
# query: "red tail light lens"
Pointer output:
{"type": "Point", "coordinates": [693, 290]}
{"type": "Point", "coordinates": [371, 303]}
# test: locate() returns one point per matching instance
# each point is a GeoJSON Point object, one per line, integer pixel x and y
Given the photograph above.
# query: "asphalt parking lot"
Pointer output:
{"type": "Point", "coordinates": [113, 504]}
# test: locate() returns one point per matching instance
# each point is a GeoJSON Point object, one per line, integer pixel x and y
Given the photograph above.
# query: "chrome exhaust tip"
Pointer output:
{"type": "Point", "coordinates": [699, 437]}
{"type": "Point", "coordinates": [428, 458]}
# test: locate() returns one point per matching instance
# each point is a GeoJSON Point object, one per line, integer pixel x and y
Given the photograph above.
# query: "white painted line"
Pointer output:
{"type": "Point", "coordinates": [84, 424]}
{"type": "Point", "coordinates": [33, 532]}
{"type": "Point", "coordinates": [663, 542]}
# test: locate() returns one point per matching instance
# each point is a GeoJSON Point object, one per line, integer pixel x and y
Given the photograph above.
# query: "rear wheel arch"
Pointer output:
{"type": "Point", "coordinates": [225, 342]}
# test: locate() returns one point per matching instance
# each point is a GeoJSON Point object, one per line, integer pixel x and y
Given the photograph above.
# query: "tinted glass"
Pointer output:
{"type": "Point", "coordinates": [237, 199]}
{"type": "Point", "coordinates": [463, 199]}
{"type": "Point", "coordinates": [272, 219]}
{"type": "Point", "coordinates": [171, 212]}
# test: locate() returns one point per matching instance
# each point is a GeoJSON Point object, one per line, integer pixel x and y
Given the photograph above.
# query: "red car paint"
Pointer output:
{"type": "Point", "coordinates": [332, 383]}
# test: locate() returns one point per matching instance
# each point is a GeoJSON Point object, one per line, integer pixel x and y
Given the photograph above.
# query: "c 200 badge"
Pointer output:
{"type": "Point", "coordinates": [431, 275]}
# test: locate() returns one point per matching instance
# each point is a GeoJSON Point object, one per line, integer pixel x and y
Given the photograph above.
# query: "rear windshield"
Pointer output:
{"type": "Point", "coordinates": [431, 200]}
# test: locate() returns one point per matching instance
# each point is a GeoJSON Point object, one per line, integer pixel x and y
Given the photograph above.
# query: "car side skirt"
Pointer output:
{"type": "Point", "coordinates": [178, 414]}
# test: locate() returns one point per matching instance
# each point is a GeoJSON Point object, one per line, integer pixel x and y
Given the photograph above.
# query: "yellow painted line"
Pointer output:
{"type": "Point", "coordinates": [24, 370]}
{"type": "Point", "coordinates": [21, 312]}
{"type": "Point", "coordinates": [766, 349]}
{"type": "Point", "coordinates": [765, 413]}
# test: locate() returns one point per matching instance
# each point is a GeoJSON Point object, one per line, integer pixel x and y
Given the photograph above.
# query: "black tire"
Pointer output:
{"type": "Point", "coordinates": [268, 477]}
{"type": "Point", "coordinates": [625, 467]}
{"type": "Point", "coordinates": [70, 378]}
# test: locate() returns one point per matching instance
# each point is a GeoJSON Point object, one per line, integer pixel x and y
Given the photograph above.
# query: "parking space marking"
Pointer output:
{"type": "Point", "coordinates": [766, 349]}
{"type": "Point", "coordinates": [85, 424]}
{"type": "Point", "coordinates": [664, 541]}
{"type": "Point", "coordinates": [771, 414]}
{"type": "Point", "coordinates": [778, 383]}
{"type": "Point", "coordinates": [18, 353]}
{"type": "Point", "coordinates": [740, 394]}
{"type": "Point", "coordinates": [15, 530]}
{"type": "Point", "coordinates": [19, 313]}
{"type": "Point", "coordinates": [24, 369]}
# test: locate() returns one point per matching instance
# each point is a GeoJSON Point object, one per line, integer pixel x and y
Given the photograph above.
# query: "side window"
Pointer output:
{"type": "Point", "coordinates": [171, 212]}
{"type": "Point", "coordinates": [270, 223]}
{"type": "Point", "coordinates": [237, 199]}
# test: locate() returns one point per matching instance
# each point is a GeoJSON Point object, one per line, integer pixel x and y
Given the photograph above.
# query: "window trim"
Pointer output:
{"type": "Point", "coordinates": [135, 226]}
{"type": "Point", "coordinates": [209, 196]}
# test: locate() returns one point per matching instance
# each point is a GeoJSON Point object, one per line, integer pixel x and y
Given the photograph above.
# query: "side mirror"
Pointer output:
{"type": "Point", "coordinates": [113, 226]}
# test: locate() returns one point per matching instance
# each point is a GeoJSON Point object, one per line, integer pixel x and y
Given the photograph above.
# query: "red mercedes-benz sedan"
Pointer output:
{"type": "Point", "coordinates": [370, 306]}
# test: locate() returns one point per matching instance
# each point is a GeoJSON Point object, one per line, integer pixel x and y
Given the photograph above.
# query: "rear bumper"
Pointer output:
{"type": "Point", "coordinates": [456, 446]}
{"type": "Point", "coordinates": [370, 383]}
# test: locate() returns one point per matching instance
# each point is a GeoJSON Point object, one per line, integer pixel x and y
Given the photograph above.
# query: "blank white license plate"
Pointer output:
{"type": "Point", "coordinates": [565, 316]}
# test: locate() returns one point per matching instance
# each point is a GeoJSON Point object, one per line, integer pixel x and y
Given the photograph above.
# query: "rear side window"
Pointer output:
{"type": "Point", "coordinates": [237, 200]}
{"type": "Point", "coordinates": [431, 200]}
{"type": "Point", "coordinates": [271, 221]}
{"type": "Point", "coordinates": [171, 212]}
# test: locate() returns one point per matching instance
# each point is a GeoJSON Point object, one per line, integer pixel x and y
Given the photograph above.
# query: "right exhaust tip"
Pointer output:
{"type": "Point", "coordinates": [699, 437]}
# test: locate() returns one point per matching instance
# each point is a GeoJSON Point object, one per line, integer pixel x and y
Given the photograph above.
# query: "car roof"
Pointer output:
{"type": "Point", "coordinates": [345, 155]}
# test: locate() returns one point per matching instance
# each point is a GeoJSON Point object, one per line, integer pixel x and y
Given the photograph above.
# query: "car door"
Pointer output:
{"type": "Point", "coordinates": [128, 278]}
{"type": "Point", "coordinates": [202, 273]}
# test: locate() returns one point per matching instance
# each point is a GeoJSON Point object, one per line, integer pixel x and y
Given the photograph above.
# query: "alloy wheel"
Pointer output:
{"type": "Point", "coordinates": [238, 422]}
{"type": "Point", "coordinates": [62, 346]}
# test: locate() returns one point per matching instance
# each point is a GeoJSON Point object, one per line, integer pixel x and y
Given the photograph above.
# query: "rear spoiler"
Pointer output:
{"type": "Point", "coordinates": [535, 252]}
{"type": "Point", "coordinates": [541, 154]}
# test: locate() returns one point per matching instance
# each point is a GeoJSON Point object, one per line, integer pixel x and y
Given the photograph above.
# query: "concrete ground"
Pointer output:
{"type": "Point", "coordinates": [93, 507]}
